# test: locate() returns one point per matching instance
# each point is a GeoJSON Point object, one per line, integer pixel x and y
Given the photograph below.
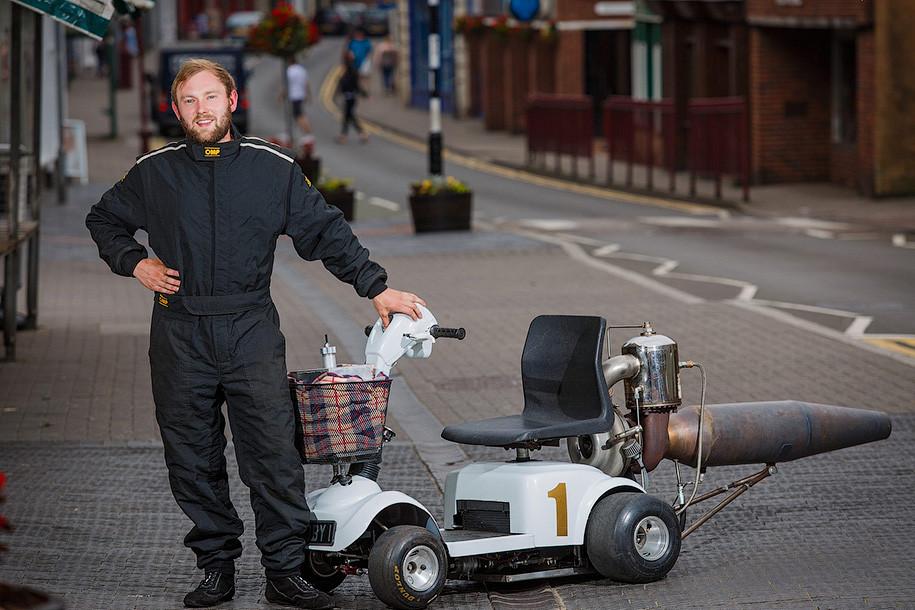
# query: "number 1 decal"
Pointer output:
{"type": "Point", "coordinates": [558, 493]}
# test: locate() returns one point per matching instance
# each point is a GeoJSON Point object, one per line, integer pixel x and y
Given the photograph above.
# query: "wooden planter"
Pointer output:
{"type": "Point", "coordinates": [441, 212]}
{"type": "Point", "coordinates": [343, 199]}
{"type": "Point", "coordinates": [311, 167]}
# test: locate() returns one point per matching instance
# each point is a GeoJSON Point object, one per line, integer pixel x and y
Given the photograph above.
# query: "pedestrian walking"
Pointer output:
{"type": "Point", "coordinates": [213, 206]}
{"type": "Point", "coordinates": [361, 48]}
{"type": "Point", "coordinates": [298, 90]}
{"type": "Point", "coordinates": [387, 60]}
{"type": "Point", "coordinates": [350, 88]}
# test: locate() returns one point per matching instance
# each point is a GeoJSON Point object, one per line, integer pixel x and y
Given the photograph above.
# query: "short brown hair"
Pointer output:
{"type": "Point", "coordinates": [190, 67]}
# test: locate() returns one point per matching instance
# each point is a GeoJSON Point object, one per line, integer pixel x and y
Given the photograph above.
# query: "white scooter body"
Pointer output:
{"type": "Point", "coordinates": [549, 502]}
{"type": "Point", "coordinates": [353, 507]}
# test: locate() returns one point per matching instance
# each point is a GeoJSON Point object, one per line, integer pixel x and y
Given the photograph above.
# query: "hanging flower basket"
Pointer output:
{"type": "Point", "coordinates": [283, 32]}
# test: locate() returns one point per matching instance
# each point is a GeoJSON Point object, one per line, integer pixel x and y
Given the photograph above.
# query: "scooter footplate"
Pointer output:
{"type": "Point", "coordinates": [462, 535]}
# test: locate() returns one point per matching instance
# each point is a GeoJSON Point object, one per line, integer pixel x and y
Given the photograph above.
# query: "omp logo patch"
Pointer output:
{"type": "Point", "coordinates": [307, 181]}
{"type": "Point", "coordinates": [163, 301]}
{"type": "Point", "coordinates": [211, 151]}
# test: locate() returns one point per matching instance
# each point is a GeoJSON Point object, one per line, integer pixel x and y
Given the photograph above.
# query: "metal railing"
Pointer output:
{"type": "Point", "coordinates": [644, 137]}
{"type": "Point", "coordinates": [560, 125]}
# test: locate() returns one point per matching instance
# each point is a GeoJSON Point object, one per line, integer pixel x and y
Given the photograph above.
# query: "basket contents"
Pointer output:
{"type": "Point", "coordinates": [341, 412]}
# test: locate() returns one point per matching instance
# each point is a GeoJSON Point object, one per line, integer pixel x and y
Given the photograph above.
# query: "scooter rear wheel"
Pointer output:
{"type": "Point", "coordinates": [321, 574]}
{"type": "Point", "coordinates": [632, 537]}
{"type": "Point", "coordinates": [408, 566]}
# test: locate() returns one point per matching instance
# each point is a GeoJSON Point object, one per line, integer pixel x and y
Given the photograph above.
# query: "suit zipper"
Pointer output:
{"type": "Point", "coordinates": [213, 227]}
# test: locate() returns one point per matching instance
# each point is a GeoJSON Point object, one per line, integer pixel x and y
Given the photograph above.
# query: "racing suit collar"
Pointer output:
{"type": "Point", "coordinates": [215, 152]}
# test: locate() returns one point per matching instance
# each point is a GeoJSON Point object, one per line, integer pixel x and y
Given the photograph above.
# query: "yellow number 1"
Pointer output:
{"type": "Point", "coordinates": [558, 493]}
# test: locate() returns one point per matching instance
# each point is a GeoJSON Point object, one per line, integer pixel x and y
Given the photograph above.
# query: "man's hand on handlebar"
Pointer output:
{"type": "Point", "coordinates": [393, 301]}
{"type": "Point", "coordinates": [152, 273]}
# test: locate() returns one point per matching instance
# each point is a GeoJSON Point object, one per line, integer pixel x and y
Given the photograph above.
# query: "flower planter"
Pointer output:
{"type": "Point", "coordinates": [311, 167]}
{"type": "Point", "coordinates": [343, 199]}
{"type": "Point", "coordinates": [441, 212]}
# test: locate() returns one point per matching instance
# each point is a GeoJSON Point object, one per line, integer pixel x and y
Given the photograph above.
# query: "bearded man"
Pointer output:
{"type": "Point", "coordinates": [213, 206]}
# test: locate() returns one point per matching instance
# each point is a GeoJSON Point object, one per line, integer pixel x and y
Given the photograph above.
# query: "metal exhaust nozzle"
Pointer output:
{"type": "Point", "coordinates": [770, 432]}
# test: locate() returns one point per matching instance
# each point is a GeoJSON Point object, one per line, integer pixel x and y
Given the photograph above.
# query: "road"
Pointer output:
{"type": "Point", "coordinates": [839, 277]}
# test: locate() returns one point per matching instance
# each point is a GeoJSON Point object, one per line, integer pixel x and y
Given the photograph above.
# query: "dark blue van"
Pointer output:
{"type": "Point", "coordinates": [227, 53]}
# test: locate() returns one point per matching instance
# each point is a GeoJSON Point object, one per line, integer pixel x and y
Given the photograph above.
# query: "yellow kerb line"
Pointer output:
{"type": "Point", "coordinates": [900, 346]}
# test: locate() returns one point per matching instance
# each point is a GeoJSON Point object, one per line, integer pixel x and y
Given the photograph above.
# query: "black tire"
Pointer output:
{"type": "Point", "coordinates": [632, 537]}
{"type": "Point", "coordinates": [408, 567]}
{"type": "Point", "coordinates": [321, 574]}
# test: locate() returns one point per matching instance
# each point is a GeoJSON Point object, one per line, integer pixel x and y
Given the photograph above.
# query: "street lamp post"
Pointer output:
{"type": "Point", "coordinates": [435, 102]}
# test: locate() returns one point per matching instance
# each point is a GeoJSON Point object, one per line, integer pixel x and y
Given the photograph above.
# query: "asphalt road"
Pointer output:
{"type": "Point", "coordinates": [844, 278]}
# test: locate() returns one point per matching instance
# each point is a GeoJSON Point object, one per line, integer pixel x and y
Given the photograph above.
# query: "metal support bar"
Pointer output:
{"type": "Point", "coordinates": [739, 487]}
{"type": "Point", "coordinates": [11, 264]}
{"type": "Point", "coordinates": [31, 320]}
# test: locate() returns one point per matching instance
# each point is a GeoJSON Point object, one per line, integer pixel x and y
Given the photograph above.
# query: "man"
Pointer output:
{"type": "Point", "coordinates": [299, 91]}
{"type": "Point", "coordinates": [213, 206]}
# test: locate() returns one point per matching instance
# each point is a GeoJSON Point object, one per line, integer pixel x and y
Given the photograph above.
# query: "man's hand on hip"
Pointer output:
{"type": "Point", "coordinates": [153, 274]}
{"type": "Point", "coordinates": [393, 301]}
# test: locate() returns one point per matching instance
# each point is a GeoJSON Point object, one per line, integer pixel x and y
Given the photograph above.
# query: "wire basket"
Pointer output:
{"type": "Point", "coordinates": [338, 422]}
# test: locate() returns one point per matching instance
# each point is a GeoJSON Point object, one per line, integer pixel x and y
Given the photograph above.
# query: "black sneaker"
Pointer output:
{"type": "Point", "coordinates": [295, 591]}
{"type": "Point", "coordinates": [215, 588]}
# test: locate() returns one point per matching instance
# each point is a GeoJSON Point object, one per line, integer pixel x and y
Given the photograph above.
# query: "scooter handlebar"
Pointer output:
{"type": "Point", "coordinates": [441, 332]}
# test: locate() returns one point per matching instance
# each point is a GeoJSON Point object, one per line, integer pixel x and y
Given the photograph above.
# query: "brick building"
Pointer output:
{"type": "Point", "coordinates": [825, 83]}
{"type": "Point", "coordinates": [578, 47]}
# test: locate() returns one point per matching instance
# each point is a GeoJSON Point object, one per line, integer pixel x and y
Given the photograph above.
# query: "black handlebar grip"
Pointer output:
{"type": "Point", "coordinates": [440, 332]}
{"type": "Point", "coordinates": [368, 330]}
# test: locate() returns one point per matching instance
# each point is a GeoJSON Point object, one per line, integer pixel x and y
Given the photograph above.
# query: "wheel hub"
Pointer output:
{"type": "Point", "coordinates": [651, 538]}
{"type": "Point", "coordinates": [420, 568]}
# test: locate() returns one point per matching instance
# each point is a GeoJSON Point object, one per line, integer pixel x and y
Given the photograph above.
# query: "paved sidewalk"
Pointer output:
{"type": "Point", "coordinates": [469, 138]}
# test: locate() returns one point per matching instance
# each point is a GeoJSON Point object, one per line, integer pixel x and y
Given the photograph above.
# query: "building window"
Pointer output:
{"type": "Point", "coordinates": [844, 89]}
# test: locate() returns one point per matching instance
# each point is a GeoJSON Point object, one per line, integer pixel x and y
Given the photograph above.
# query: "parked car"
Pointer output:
{"type": "Point", "coordinates": [228, 53]}
{"type": "Point", "coordinates": [239, 24]}
{"type": "Point", "coordinates": [375, 22]}
{"type": "Point", "coordinates": [341, 18]}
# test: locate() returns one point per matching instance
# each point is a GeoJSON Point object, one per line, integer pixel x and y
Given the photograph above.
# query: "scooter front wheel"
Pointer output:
{"type": "Point", "coordinates": [408, 566]}
{"type": "Point", "coordinates": [320, 573]}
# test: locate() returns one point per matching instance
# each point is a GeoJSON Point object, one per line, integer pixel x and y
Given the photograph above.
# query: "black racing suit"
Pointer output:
{"type": "Point", "coordinates": [214, 213]}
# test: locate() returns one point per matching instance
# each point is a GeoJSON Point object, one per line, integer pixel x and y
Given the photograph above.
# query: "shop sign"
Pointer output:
{"type": "Point", "coordinates": [88, 16]}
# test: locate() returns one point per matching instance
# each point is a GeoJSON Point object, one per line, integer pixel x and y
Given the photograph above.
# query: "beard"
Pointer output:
{"type": "Point", "coordinates": [208, 135]}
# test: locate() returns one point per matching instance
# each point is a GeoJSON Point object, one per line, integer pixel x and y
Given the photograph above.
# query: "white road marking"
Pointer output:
{"type": "Point", "coordinates": [578, 239]}
{"type": "Point", "coordinates": [547, 224]}
{"type": "Point", "coordinates": [576, 252]}
{"type": "Point", "coordinates": [787, 318]}
{"type": "Point", "coordinates": [606, 250]}
{"type": "Point", "coordinates": [811, 223]}
{"type": "Point", "coordinates": [384, 203]}
{"type": "Point", "coordinates": [681, 221]}
{"type": "Point", "coordinates": [901, 241]}
{"type": "Point", "coordinates": [856, 328]}
{"type": "Point", "coordinates": [666, 268]}
{"type": "Point", "coordinates": [819, 233]}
